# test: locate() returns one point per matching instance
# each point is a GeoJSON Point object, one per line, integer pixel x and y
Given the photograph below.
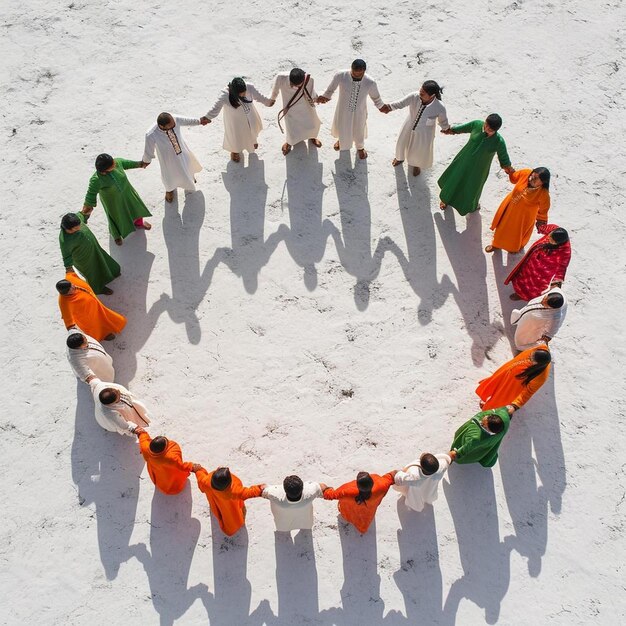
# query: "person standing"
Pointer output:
{"type": "Point", "coordinates": [350, 120]}
{"type": "Point", "coordinates": [178, 163]}
{"type": "Point", "coordinates": [80, 249]}
{"type": "Point", "coordinates": [242, 122]}
{"type": "Point", "coordinates": [463, 180]}
{"type": "Point", "coordinates": [417, 137]}
{"type": "Point", "coordinates": [419, 481]}
{"type": "Point", "coordinates": [122, 205]}
{"type": "Point", "coordinates": [88, 358]}
{"type": "Point", "coordinates": [298, 113]}
{"type": "Point", "coordinates": [524, 207]}
{"type": "Point", "coordinates": [540, 319]}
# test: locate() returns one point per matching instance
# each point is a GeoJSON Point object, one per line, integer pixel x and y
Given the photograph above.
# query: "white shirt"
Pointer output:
{"type": "Point", "coordinates": [92, 359]}
{"type": "Point", "coordinates": [535, 320]}
{"type": "Point", "coordinates": [417, 488]}
{"type": "Point", "coordinates": [292, 515]}
{"type": "Point", "coordinates": [119, 417]}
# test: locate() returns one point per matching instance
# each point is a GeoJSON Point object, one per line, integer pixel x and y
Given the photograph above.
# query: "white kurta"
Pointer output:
{"type": "Point", "coordinates": [120, 417]}
{"type": "Point", "coordinates": [243, 124]}
{"type": "Point", "coordinates": [417, 136]}
{"type": "Point", "coordinates": [178, 162]}
{"type": "Point", "coordinates": [292, 515]}
{"type": "Point", "coordinates": [92, 359]}
{"type": "Point", "coordinates": [535, 320]}
{"type": "Point", "coordinates": [418, 489]}
{"type": "Point", "coordinates": [301, 121]}
{"type": "Point", "coordinates": [350, 121]}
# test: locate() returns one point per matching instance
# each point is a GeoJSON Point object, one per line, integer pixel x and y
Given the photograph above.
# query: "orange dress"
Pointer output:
{"type": "Point", "coordinates": [502, 387]}
{"type": "Point", "coordinates": [360, 515]}
{"type": "Point", "coordinates": [83, 309]}
{"type": "Point", "coordinates": [514, 220]}
{"type": "Point", "coordinates": [227, 505]}
{"type": "Point", "coordinates": [166, 469]}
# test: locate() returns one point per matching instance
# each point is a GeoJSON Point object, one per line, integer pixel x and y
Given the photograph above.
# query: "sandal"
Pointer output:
{"type": "Point", "coordinates": [169, 196]}
{"type": "Point", "coordinates": [442, 205]}
{"type": "Point", "coordinates": [286, 149]}
{"type": "Point", "coordinates": [362, 153]}
{"type": "Point", "coordinates": [107, 291]}
{"type": "Point", "coordinates": [235, 157]}
{"type": "Point", "coordinates": [416, 171]}
{"type": "Point", "coordinates": [316, 142]}
{"type": "Point", "coordinates": [119, 241]}
{"type": "Point", "coordinates": [337, 147]}
{"type": "Point", "coordinates": [489, 248]}
{"type": "Point", "coordinates": [395, 162]}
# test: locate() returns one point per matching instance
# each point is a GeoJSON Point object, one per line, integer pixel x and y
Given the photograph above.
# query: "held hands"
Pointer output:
{"type": "Point", "coordinates": [87, 210]}
{"type": "Point", "coordinates": [385, 109]}
{"type": "Point", "coordinates": [447, 131]}
{"type": "Point", "coordinates": [143, 165]}
{"type": "Point", "coordinates": [204, 120]}
{"type": "Point", "coordinates": [138, 430]}
{"type": "Point", "coordinates": [509, 170]}
{"type": "Point", "coordinates": [272, 103]}
{"type": "Point", "coordinates": [511, 408]}
{"type": "Point", "coordinates": [322, 100]}
{"type": "Point", "coordinates": [196, 467]}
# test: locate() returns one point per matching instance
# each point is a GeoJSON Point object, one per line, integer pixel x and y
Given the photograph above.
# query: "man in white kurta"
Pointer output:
{"type": "Point", "coordinates": [417, 486]}
{"type": "Point", "coordinates": [350, 120]}
{"type": "Point", "coordinates": [298, 113]}
{"type": "Point", "coordinates": [540, 319]}
{"type": "Point", "coordinates": [178, 163]}
{"type": "Point", "coordinates": [123, 414]}
{"type": "Point", "coordinates": [87, 357]}
{"type": "Point", "coordinates": [297, 512]}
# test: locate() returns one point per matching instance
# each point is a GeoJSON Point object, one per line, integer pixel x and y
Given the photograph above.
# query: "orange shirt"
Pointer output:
{"type": "Point", "coordinates": [360, 515]}
{"type": "Point", "coordinates": [502, 387]}
{"type": "Point", "coordinates": [83, 309]}
{"type": "Point", "coordinates": [166, 469]}
{"type": "Point", "coordinates": [227, 505]}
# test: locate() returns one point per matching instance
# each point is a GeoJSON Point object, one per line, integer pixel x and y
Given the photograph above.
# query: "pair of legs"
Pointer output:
{"type": "Point", "coordinates": [139, 223]}
{"type": "Point", "coordinates": [287, 147]}
{"type": "Point", "coordinates": [236, 156]}
{"type": "Point", "coordinates": [362, 152]}
{"type": "Point", "coordinates": [416, 170]}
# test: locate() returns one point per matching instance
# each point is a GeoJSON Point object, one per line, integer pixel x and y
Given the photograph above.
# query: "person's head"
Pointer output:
{"type": "Point", "coordinates": [109, 395]}
{"type": "Point", "coordinates": [558, 236]}
{"type": "Point", "coordinates": [65, 287]}
{"type": "Point", "coordinates": [540, 361]}
{"type": "Point", "coordinates": [539, 177]}
{"type": "Point", "coordinates": [70, 223]}
{"type": "Point", "coordinates": [492, 124]}
{"type": "Point", "coordinates": [357, 69]}
{"type": "Point", "coordinates": [554, 300]}
{"type": "Point", "coordinates": [430, 90]}
{"type": "Point", "coordinates": [296, 76]}
{"type": "Point", "coordinates": [166, 121]}
{"type": "Point", "coordinates": [293, 487]}
{"type": "Point", "coordinates": [158, 444]}
{"type": "Point", "coordinates": [493, 423]}
{"type": "Point", "coordinates": [365, 483]}
{"type": "Point", "coordinates": [221, 479]}
{"type": "Point", "coordinates": [104, 163]}
{"type": "Point", "coordinates": [236, 91]}
{"type": "Point", "coordinates": [76, 341]}
{"type": "Point", "coordinates": [429, 463]}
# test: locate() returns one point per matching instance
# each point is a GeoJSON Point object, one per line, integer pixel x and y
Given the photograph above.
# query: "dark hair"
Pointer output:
{"type": "Point", "coordinates": [555, 300]}
{"type": "Point", "coordinates": [544, 176]}
{"type": "Point", "coordinates": [235, 87]}
{"type": "Point", "coordinates": [365, 483]}
{"type": "Point", "coordinates": [69, 221]}
{"type": "Point", "coordinates": [429, 463]}
{"type": "Point", "coordinates": [107, 396]}
{"type": "Point", "coordinates": [560, 236]}
{"type": "Point", "coordinates": [495, 423]}
{"type": "Point", "coordinates": [221, 479]}
{"type": "Point", "coordinates": [158, 444]}
{"type": "Point", "coordinates": [541, 360]}
{"type": "Point", "coordinates": [63, 286]}
{"type": "Point", "coordinates": [103, 162]}
{"type": "Point", "coordinates": [358, 65]}
{"type": "Point", "coordinates": [75, 340]}
{"type": "Point", "coordinates": [296, 76]}
{"type": "Point", "coordinates": [494, 121]}
{"type": "Point", "coordinates": [293, 487]}
{"type": "Point", "coordinates": [432, 89]}
{"type": "Point", "coordinates": [164, 118]}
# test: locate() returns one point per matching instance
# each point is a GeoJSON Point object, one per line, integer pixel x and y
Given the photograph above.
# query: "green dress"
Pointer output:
{"type": "Point", "coordinates": [82, 251]}
{"type": "Point", "coordinates": [121, 202]}
{"type": "Point", "coordinates": [463, 180]}
{"type": "Point", "coordinates": [473, 444]}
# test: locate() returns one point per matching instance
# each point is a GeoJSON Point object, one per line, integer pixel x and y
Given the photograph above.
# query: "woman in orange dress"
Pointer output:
{"type": "Point", "coordinates": [526, 205]}
{"type": "Point", "coordinates": [515, 382]}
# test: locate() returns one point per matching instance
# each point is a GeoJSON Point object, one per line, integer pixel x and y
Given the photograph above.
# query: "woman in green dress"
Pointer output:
{"type": "Point", "coordinates": [81, 250]}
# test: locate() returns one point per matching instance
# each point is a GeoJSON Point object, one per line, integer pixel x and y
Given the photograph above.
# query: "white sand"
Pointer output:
{"type": "Point", "coordinates": [307, 315]}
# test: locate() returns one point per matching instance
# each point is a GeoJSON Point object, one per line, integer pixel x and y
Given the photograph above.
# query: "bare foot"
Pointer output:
{"type": "Point", "coordinates": [336, 146]}
{"type": "Point", "coordinates": [106, 291]}
{"type": "Point", "coordinates": [169, 196]}
{"type": "Point", "coordinates": [362, 153]}
{"type": "Point", "coordinates": [395, 162]}
{"type": "Point", "coordinates": [442, 205]}
{"type": "Point", "coordinates": [286, 149]}
{"type": "Point", "coordinates": [316, 142]}
{"type": "Point", "coordinates": [489, 248]}
{"type": "Point", "coordinates": [235, 157]}
{"type": "Point", "coordinates": [256, 145]}
{"type": "Point", "coordinates": [416, 171]}
{"type": "Point", "coordinates": [145, 226]}
{"type": "Point", "coordinates": [119, 241]}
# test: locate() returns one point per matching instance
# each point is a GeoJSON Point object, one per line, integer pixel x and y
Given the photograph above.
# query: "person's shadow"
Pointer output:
{"type": "Point", "coordinates": [105, 469]}
{"type": "Point", "coordinates": [465, 251]}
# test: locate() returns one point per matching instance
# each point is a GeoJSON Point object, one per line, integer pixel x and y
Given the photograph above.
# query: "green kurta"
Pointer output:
{"type": "Point", "coordinates": [473, 444]}
{"type": "Point", "coordinates": [463, 180]}
{"type": "Point", "coordinates": [82, 251]}
{"type": "Point", "coordinates": [121, 202]}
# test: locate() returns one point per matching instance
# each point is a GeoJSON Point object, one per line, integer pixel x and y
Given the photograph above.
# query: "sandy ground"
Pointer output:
{"type": "Point", "coordinates": [311, 315]}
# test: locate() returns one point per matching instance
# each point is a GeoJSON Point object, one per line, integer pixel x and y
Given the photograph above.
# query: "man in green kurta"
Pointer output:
{"type": "Point", "coordinates": [463, 180]}
{"type": "Point", "coordinates": [478, 440]}
{"type": "Point", "coordinates": [124, 208]}
{"type": "Point", "coordinates": [81, 250]}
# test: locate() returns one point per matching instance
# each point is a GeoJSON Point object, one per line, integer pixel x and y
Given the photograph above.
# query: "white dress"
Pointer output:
{"type": "Point", "coordinates": [535, 320]}
{"type": "Point", "coordinates": [119, 417]}
{"type": "Point", "coordinates": [292, 515]}
{"type": "Point", "coordinates": [243, 124]}
{"type": "Point", "coordinates": [93, 359]}
{"type": "Point", "coordinates": [301, 121]}
{"type": "Point", "coordinates": [418, 489]}
{"type": "Point", "coordinates": [178, 162]}
{"type": "Point", "coordinates": [350, 120]}
{"type": "Point", "coordinates": [417, 136]}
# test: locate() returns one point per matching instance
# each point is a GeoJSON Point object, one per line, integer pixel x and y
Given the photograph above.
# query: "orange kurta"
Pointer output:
{"type": "Point", "coordinates": [360, 515]}
{"type": "Point", "coordinates": [83, 309]}
{"type": "Point", "coordinates": [166, 469]}
{"type": "Point", "coordinates": [502, 387]}
{"type": "Point", "coordinates": [514, 220]}
{"type": "Point", "coordinates": [227, 505]}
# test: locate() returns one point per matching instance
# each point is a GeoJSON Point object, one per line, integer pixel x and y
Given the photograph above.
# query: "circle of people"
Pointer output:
{"type": "Point", "coordinates": [537, 279]}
